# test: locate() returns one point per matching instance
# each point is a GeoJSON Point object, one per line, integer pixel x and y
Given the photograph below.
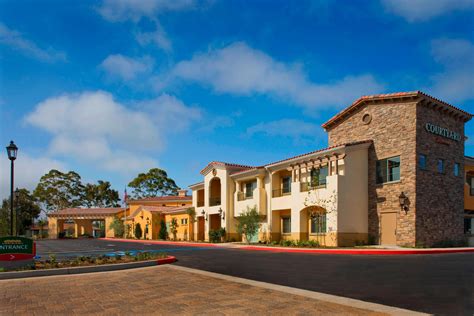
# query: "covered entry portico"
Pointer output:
{"type": "Point", "coordinates": [83, 219]}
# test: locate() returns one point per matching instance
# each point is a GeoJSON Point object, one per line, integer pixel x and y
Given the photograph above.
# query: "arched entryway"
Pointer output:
{"type": "Point", "coordinates": [215, 192]}
{"type": "Point", "coordinates": [313, 224]}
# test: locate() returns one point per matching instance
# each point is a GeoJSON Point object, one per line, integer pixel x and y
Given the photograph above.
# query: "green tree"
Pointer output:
{"type": "Point", "coordinates": [138, 231]}
{"type": "Point", "coordinates": [57, 190]}
{"type": "Point", "coordinates": [42, 223]}
{"type": "Point", "coordinates": [174, 227]}
{"type": "Point", "coordinates": [192, 214]}
{"type": "Point", "coordinates": [118, 227]}
{"type": "Point", "coordinates": [27, 209]}
{"type": "Point", "coordinates": [153, 183]}
{"type": "Point", "coordinates": [248, 223]}
{"type": "Point", "coordinates": [100, 195]}
{"type": "Point", "coordinates": [163, 234]}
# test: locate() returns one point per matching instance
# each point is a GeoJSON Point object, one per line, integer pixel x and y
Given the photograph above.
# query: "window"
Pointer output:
{"type": "Point", "coordinates": [440, 166]}
{"type": "Point", "coordinates": [286, 181]}
{"type": "Point", "coordinates": [470, 183]}
{"type": "Point", "coordinates": [286, 225]}
{"type": "Point", "coordinates": [249, 187]}
{"type": "Point", "coordinates": [388, 170]}
{"type": "Point", "coordinates": [318, 176]}
{"type": "Point", "coordinates": [469, 225]}
{"type": "Point", "coordinates": [184, 221]}
{"type": "Point", "coordinates": [422, 162]}
{"type": "Point", "coordinates": [456, 169]}
{"type": "Point", "coordinates": [318, 223]}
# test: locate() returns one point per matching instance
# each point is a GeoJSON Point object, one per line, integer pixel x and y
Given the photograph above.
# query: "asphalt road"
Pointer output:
{"type": "Point", "coordinates": [437, 284]}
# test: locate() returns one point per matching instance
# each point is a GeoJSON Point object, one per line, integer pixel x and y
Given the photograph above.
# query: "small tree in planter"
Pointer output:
{"type": "Point", "coordinates": [248, 223]}
{"type": "Point", "coordinates": [163, 234]}
{"type": "Point", "coordinates": [118, 227]}
{"type": "Point", "coordinates": [174, 227]}
{"type": "Point", "coordinates": [138, 231]}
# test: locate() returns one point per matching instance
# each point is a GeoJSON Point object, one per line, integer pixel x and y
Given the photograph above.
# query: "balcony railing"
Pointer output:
{"type": "Point", "coordinates": [280, 192]}
{"type": "Point", "coordinates": [307, 186]}
{"type": "Point", "coordinates": [200, 203]}
{"type": "Point", "coordinates": [214, 201]}
{"type": "Point", "coordinates": [244, 196]}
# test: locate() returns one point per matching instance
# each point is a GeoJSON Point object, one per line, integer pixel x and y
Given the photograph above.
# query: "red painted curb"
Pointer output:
{"type": "Point", "coordinates": [169, 259]}
{"type": "Point", "coordinates": [359, 251]}
{"type": "Point", "coordinates": [159, 242]}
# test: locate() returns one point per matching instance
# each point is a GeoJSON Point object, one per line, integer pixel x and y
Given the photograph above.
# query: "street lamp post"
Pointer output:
{"type": "Point", "coordinates": [12, 152]}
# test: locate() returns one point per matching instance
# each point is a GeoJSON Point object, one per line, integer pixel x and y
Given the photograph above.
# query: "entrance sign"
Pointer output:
{"type": "Point", "coordinates": [16, 248]}
{"type": "Point", "coordinates": [441, 131]}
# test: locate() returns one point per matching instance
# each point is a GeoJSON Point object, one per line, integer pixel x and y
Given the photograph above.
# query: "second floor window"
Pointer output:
{"type": "Point", "coordinates": [249, 187]}
{"type": "Point", "coordinates": [318, 176]}
{"type": "Point", "coordinates": [470, 183]}
{"type": "Point", "coordinates": [286, 185]}
{"type": "Point", "coordinates": [388, 170]}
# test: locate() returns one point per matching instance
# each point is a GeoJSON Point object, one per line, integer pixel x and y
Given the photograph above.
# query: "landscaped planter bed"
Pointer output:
{"type": "Point", "coordinates": [89, 264]}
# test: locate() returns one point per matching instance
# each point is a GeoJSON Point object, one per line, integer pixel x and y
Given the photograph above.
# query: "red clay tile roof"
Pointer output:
{"type": "Point", "coordinates": [159, 209]}
{"type": "Point", "coordinates": [412, 94]}
{"type": "Point", "coordinates": [169, 198]}
{"type": "Point", "coordinates": [87, 211]}
{"type": "Point", "coordinates": [306, 154]}
{"type": "Point", "coordinates": [224, 164]}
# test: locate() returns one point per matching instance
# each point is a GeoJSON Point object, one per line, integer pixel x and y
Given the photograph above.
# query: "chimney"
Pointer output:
{"type": "Point", "coordinates": [182, 192]}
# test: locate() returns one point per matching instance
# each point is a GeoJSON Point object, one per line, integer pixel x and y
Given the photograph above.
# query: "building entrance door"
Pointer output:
{"type": "Point", "coordinates": [200, 235]}
{"type": "Point", "coordinates": [388, 226]}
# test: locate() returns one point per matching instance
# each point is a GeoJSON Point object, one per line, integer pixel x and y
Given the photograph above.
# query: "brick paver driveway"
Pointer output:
{"type": "Point", "coordinates": [437, 284]}
{"type": "Point", "coordinates": [154, 290]}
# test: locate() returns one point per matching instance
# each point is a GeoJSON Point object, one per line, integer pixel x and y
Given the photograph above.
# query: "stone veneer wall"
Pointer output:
{"type": "Point", "coordinates": [393, 131]}
{"type": "Point", "coordinates": [440, 205]}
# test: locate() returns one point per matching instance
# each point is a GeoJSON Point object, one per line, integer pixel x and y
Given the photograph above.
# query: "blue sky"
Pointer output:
{"type": "Point", "coordinates": [112, 88]}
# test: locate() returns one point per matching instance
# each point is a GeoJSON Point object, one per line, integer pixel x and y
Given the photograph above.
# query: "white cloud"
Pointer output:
{"type": "Point", "coordinates": [242, 70]}
{"type": "Point", "coordinates": [93, 128]}
{"type": "Point", "coordinates": [297, 130]}
{"type": "Point", "coordinates": [157, 37]}
{"type": "Point", "coordinates": [126, 68]}
{"type": "Point", "coordinates": [28, 171]}
{"type": "Point", "coordinates": [134, 10]}
{"type": "Point", "coordinates": [15, 40]}
{"type": "Point", "coordinates": [456, 81]}
{"type": "Point", "coordinates": [171, 114]}
{"type": "Point", "coordinates": [423, 10]}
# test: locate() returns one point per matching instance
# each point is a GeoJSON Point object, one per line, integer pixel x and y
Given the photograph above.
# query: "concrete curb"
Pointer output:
{"type": "Point", "coordinates": [360, 251]}
{"type": "Point", "coordinates": [86, 269]}
{"type": "Point", "coordinates": [309, 294]}
{"type": "Point", "coordinates": [162, 242]}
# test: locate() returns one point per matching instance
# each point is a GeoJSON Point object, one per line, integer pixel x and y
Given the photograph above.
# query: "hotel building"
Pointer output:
{"type": "Point", "coordinates": [393, 174]}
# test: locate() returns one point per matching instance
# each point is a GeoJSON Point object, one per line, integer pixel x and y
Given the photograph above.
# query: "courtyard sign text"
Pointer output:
{"type": "Point", "coordinates": [441, 131]}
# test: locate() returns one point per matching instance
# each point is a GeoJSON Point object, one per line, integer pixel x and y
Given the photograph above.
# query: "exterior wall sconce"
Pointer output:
{"type": "Point", "coordinates": [222, 213]}
{"type": "Point", "coordinates": [404, 202]}
{"type": "Point", "coordinates": [203, 213]}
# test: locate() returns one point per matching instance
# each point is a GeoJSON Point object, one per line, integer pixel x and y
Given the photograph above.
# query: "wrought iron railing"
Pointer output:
{"type": "Point", "coordinates": [308, 186]}
{"type": "Point", "coordinates": [214, 201]}
{"type": "Point", "coordinates": [280, 192]}
{"type": "Point", "coordinates": [244, 196]}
